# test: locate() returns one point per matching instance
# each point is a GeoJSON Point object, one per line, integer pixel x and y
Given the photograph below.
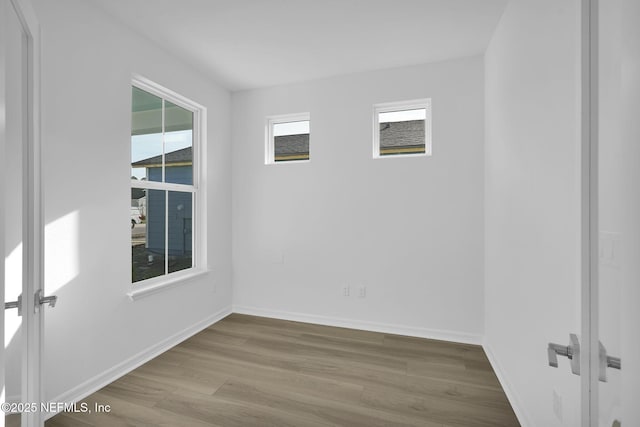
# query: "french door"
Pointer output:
{"type": "Point", "coordinates": [606, 352]}
{"type": "Point", "coordinates": [21, 238]}
{"type": "Point", "coordinates": [615, 213]}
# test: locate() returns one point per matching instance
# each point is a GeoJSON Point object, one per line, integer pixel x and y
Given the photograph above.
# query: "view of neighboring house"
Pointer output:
{"type": "Point", "coordinates": [139, 200]}
{"type": "Point", "coordinates": [291, 147]}
{"type": "Point", "coordinates": [406, 137]}
{"type": "Point", "coordinates": [178, 170]}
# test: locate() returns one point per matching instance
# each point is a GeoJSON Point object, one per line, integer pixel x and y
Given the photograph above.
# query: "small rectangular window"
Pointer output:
{"type": "Point", "coordinates": [287, 138]}
{"type": "Point", "coordinates": [402, 129]}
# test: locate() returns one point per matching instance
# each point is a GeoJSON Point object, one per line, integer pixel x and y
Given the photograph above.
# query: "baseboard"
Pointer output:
{"type": "Point", "coordinates": [516, 403]}
{"type": "Point", "coordinates": [96, 383]}
{"type": "Point", "coordinates": [387, 328]}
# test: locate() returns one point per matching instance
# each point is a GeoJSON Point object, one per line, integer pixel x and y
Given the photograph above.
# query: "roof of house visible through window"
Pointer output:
{"type": "Point", "coordinates": [402, 134]}
{"type": "Point", "coordinates": [286, 145]}
{"type": "Point", "coordinates": [182, 157]}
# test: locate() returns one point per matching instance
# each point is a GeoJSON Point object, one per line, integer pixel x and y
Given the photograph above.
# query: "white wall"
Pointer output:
{"type": "Point", "coordinates": [532, 204]}
{"type": "Point", "coordinates": [409, 229]}
{"type": "Point", "coordinates": [87, 62]}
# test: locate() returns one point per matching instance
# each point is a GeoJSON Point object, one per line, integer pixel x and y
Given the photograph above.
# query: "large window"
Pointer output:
{"type": "Point", "coordinates": [164, 181]}
{"type": "Point", "coordinates": [402, 129]}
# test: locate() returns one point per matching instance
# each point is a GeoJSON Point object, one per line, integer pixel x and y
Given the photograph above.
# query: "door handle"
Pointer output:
{"type": "Point", "coordinates": [605, 362]}
{"type": "Point", "coordinates": [40, 300]}
{"type": "Point", "coordinates": [15, 304]}
{"type": "Point", "coordinates": [571, 351]}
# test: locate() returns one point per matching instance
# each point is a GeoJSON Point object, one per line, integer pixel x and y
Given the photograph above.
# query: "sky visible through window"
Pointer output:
{"type": "Point", "coordinates": [291, 128]}
{"type": "Point", "coordinates": [402, 116]}
{"type": "Point", "coordinates": [146, 146]}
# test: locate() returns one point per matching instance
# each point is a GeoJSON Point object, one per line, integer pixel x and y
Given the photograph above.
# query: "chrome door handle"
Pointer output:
{"type": "Point", "coordinates": [607, 362]}
{"type": "Point", "coordinates": [40, 300]}
{"type": "Point", "coordinates": [571, 351]}
{"type": "Point", "coordinates": [15, 304]}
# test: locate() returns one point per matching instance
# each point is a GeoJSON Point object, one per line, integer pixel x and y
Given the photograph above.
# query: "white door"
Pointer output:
{"type": "Point", "coordinates": [21, 217]}
{"type": "Point", "coordinates": [615, 319]}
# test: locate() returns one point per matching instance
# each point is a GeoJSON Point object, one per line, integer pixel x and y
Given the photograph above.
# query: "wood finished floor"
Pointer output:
{"type": "Point", "coordinates": [253, 371]}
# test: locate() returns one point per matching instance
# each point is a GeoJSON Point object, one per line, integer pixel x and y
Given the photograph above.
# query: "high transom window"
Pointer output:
{"type": "Point", "coordinates": [288, 138]}
{"type": "Point", "coordinates": [402, 129]}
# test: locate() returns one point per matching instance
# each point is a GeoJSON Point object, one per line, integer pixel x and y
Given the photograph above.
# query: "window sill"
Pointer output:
{"type": "Point", "coordinates": [401, 156]}
{"type": "Point", "coordinates": [154, 286]}
{"type": "Point", "coordinates": [287, 162]}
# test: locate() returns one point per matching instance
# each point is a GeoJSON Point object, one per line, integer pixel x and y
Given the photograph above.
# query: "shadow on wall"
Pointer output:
{"type": "Point", "coordinates": [61, 268]}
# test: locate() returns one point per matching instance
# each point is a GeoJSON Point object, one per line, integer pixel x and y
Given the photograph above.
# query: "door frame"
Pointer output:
{"type": "Point", "coordinates": [590, 316]}
{"type": "Point", "coordinates": [3, 7]}
{"type": "Point", "coordinates": [590, 358]}
{"type": "Point", "coordinates": [33, 235]}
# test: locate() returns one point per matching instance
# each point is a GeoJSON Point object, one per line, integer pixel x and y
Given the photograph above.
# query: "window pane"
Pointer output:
{"type": "Point", "coordinates": [180, 231]}
{"type": "Point", "coordinates": [402, 132]}
{"type": "Point", "coordinates": [146, 136]}
{"type": "Point", "coordinates": [148, 236]}
{"type": "Point", "coordinates": [178, 144]}
{"type": "Point", "coordinates": [291, 141]}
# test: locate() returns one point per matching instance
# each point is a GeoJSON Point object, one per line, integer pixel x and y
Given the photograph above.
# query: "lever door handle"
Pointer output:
{"type": "Point", "coordinates": [15, 304]}
{"type": "Point", "coordinates": [607, 362]}
{"type": "Point", "coordinates": [571, 351]}
{"type": "Point", "coordinates": [40, 300]}
{"type": "Point", "coordinates": [614, 362]}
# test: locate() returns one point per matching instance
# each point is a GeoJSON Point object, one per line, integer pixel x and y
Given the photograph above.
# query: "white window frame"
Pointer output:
{"type": "Point", "coordinates": [270, 121]}
{"type": "Point", "coordinates": [389, 107]}
{"type": "Point", "coordinates": [197, 189]}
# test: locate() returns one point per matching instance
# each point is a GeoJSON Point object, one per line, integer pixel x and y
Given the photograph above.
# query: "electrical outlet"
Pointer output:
{"type": "Point", "coordinates": [362, 291]}
{"type": "Point", "coordinates": [557, 405]}
{"type": "Point", "coordinates": [345, 291]}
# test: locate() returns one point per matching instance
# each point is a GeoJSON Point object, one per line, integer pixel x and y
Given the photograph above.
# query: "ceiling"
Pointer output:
{"type": "Point", "coordinates": [247, 44]}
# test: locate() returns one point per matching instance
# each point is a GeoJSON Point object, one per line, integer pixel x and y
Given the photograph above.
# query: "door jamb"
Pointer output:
{"type": "Point", "coordinates": [589, 212]}
{"type": "Point", "coordinates": [32, 390]}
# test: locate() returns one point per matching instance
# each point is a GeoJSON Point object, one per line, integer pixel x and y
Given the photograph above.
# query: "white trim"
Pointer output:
{"type": "Point", "coordinates": [154, 88]}
{"type": "Point", "coordinates": [415, 104]}
{"type": "Point", "coordinates": [197, 189]}
{"type": "Point", "coordinates": [33, 260]}
{"type": "Point", "coordinates": [156, 185]}
{"type": "Point", "coordinates": [589, 363]}
{"type": "Point", "coordinates": [269, 145]}
{"type": "Point", "coordinates": [107, 377]}
{"type": "Point", "coordinates": [524, 418]}
{"type": "Point", "coordinates": [4, 5]}
{"type": "Point", "coordinates": [388, 328]}
{"type": "Point", "coordinates": [153, 286]}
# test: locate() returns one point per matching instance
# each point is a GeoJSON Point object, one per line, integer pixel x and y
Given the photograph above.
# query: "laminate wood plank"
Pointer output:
{"type": "Point", "coordinates": [300, 328]}
{"type": "Point", "coordinates": [291, 354]}
{"type": "Point", "coordinates": [456, 391]}
{"type": "Point", "coordinates": [219, 336]}
{"type": "Point", "coordinates": [181, 376]}
{"type": "Point", "coordinates": [127, 414]}
{"type": "Point", "coordinates": [313, 385]}
{"type": "Point", "coordinates": [211, 409]}
{"type": "Point", "coordinates": [65, 421]}
{"type": "Point", "coordinates": [453, 373]}
{"type": "Point", "coordinates": [316, 410]}
{"type": "Point", "coordinates": [447, 411]}
{"type": "Point", "coordinates": [12, 420]}
{"type": "Point", "coordinates": [252, 371]}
